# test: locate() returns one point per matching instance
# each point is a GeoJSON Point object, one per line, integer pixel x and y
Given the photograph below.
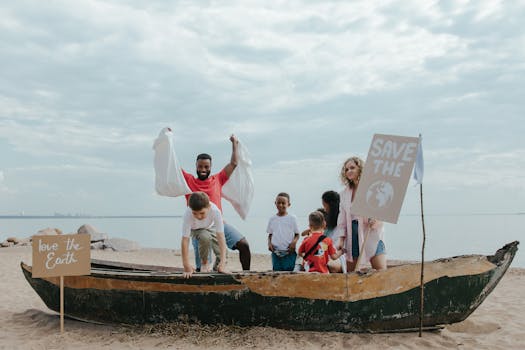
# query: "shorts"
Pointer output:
{"type": "Point", "coordinates": [284, 262]}
{"type": "Point", "coordinates": [232, 236]}
{"type": "Point", "coordinates": [380, 248]}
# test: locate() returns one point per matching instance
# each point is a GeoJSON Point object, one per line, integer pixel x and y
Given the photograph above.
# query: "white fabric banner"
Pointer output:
{"type": "Point", "coordinates": [239, 188]}
{"type": "Point", "coordinates": [419, 167]}
{"type": "Point", "coordinates": [169, 180]}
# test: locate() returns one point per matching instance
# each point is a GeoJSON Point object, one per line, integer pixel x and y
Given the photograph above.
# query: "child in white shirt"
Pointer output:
{"type": "Point", "coordinates": [283, 234]}
{"type": "Point", "coordinates": [203, 221]}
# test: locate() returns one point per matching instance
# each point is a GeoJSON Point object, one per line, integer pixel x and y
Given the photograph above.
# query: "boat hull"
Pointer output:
{"type": "Point", "coordinates": [380, 301]}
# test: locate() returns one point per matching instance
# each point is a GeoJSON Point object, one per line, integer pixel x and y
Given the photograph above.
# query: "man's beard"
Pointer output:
{"type": "Point", "coordinates": [203, 177]}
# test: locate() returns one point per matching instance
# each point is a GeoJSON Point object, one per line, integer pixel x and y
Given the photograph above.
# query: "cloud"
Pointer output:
{"type": "Point", "coordinates": [87, 86]}
{"type": "Point", "coordinates": [459, 99]}
{"type": "Point", "coordinates": [478, 168]}
{"type": "Point", "coordinates": [4, 189]}
{"type": "Point", "coordinates": [314, 53]}
{"type": "Point", "coordinates": [2, 185]}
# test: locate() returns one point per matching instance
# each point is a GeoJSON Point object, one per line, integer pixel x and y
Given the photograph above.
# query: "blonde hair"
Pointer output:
{"type": "Point", "coordinates": [360, 164]}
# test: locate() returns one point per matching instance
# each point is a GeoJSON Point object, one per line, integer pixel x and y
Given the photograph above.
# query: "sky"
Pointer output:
{"type": "Point", "coordinates": [86, 87]}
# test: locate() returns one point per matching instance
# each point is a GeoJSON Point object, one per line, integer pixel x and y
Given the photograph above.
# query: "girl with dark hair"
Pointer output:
{"type": "Point", "coordinates": [330, 201]}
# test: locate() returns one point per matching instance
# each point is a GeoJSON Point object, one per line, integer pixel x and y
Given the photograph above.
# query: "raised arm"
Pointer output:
{"type": "Point", "coordinates": [233, 161]}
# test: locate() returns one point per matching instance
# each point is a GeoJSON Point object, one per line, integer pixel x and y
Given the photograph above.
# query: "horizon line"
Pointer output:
{"type": "Point", "coordinates": [179, 216]}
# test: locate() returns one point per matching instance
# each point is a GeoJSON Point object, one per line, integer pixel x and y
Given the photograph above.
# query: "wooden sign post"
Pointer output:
{"type": "Point", "coordinates": [61, 255]}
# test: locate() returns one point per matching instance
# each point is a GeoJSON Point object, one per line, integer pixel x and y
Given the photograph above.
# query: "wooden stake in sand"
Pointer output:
{"type": "Point", "coordinates": [61, 304]}
{"type": "Point", "coordinates": [422, 262]}
{"type": "Point", "coordinates": [418, 176]}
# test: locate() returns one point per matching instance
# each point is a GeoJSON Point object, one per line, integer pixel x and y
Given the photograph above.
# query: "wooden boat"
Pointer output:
{"type": "Point", "coordinates": [377, 301]}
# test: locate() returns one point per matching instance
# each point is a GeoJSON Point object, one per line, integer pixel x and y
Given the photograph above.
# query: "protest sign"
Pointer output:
{"type": "Point", "coordinates": [385, 177]}
{"type": "Point", "coordinates": [61, 255]}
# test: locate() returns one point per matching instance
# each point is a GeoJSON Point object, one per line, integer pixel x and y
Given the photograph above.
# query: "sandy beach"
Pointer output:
{"type": "Point", "coordinates": [26, 323]}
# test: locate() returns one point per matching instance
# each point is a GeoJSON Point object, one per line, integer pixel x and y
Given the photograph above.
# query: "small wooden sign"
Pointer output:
{"type": "Point", "coordinates": [61, 255]}
{"type": "Point", "coordinates": [385, 177]}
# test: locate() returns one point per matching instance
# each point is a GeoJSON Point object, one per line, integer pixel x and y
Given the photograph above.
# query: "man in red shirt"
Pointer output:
{"type": "Point", "coordinates": [212, 186]}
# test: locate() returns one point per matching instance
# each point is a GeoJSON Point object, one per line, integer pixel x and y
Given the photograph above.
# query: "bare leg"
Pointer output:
{"type": "Point", "coordinates": [245, 256]}
{"type": "Point", "coordinates": [205, 267]}
{"type": "Point", "coordinates": [378, 262]}
{"type": "Point", "coordinates": [350, 265]}
{"type": "Point", "coordinates": [334, 266]}
{"type": "Point", "coordinates": [205, 239]}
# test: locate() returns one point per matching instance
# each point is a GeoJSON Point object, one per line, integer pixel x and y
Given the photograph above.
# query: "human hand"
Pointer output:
{"type": "Point", "coordinates": [270, 247]}
{"type": "Point", "coordinates": [234, 138]}
{"type": "Point", "coordinates": [188, 271]}
{"type": "Point", "coordinates": [291, 247]}
{"type": "Point", "coordinates": [374, 224]}
{"type": "Point", "coordinates": [306, 232]}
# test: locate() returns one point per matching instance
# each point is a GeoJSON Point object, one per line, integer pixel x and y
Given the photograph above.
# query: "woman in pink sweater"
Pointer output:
{"type": "Point", "coordinates": [352, 228]}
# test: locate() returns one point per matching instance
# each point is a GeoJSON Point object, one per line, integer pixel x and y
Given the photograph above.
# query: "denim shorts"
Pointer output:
{"type": "Point", "coordinates": [232, 235]}
{"type": "Point", "coordinates": [283, 263]}
{"type": "Point", "coordinates": [380, 248]}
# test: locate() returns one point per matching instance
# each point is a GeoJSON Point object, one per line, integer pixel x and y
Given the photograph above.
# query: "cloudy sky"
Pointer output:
{"type": "Point", "coordinates": [86, 86]}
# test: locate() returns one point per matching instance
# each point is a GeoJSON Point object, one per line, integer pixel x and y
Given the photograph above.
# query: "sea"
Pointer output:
{"type": "Point", "coordinates": [446, 235]}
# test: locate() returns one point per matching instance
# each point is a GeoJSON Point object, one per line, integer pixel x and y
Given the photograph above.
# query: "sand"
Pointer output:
{"type": "Point", "coordinates": [26, 323]}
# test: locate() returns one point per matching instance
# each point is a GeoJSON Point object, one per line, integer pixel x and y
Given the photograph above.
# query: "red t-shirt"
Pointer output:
{"type": "Point", "coordinates": [212, 186]}
{"type": "Point", "coordinates": [318, 259]}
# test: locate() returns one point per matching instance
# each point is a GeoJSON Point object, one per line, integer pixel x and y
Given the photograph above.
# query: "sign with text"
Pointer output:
{"type": "Point", "coordinates": [61, 255]}
{"type": "Point", "coordinates": [385, 177]}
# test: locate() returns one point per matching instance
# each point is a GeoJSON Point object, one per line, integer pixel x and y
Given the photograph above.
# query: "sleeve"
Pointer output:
{"type": "Point", "coordinates": [341, 220]}
{"type": "Point", "coordinates": [222, 177]}
{"type": "Point", "coordinates": [269, 228]}
{"type": "Point", "coordinates": [186, 223]}
{"type": "Point", "coordinates": [295, 226]}
{"type": "Point", "coordinates": [331, 249]}
{"type": "Point", "coordinates": [187, 176]}
{"type": "Point", "coordinates": [219, 224]}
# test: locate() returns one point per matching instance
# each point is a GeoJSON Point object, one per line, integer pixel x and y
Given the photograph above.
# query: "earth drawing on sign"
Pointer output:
{"type": "Point", "coordinates": [379, 195]}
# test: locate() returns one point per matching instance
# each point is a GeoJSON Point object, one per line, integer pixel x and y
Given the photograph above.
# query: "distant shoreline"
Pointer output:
{"type": "Point", "coordinates": [88, 216]}
{"type": "Point", "coordinates": [180, 216]}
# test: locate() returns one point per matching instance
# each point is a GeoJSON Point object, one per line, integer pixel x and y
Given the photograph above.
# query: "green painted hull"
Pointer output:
{"type": "Point", "coordinates": [278, 299]}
